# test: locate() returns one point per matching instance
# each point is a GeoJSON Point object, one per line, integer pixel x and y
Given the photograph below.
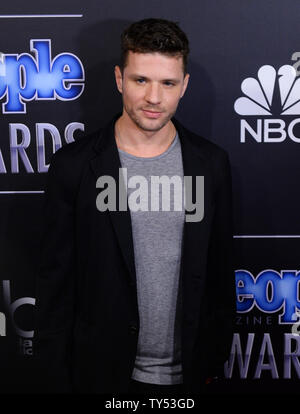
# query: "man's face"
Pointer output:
{"type": "Point", "coordinates": [151, 86]}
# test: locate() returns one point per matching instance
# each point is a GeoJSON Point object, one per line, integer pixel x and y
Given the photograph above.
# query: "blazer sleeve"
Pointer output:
{"type": "Point", "coordinates": [220, 266]}
{"type": "Point", "coordinates": [55, 282]}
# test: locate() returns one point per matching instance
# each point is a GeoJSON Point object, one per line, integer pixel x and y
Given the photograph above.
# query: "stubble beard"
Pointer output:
{"type": "Point", "coordinates": [140, 124]}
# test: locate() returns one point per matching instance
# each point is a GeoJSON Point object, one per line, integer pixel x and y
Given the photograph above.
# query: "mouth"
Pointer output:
{"type": "Point", "coordinates": [152, 114]}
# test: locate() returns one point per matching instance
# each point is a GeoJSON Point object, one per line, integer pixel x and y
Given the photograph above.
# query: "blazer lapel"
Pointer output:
{"type": "Point", "coordinates": [107, 162]}
{"type": "Point", "coordinates": [195, 236]}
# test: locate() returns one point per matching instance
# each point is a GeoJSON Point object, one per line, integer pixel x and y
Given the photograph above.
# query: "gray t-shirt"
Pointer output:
{"type": "Point", "coordinates": [157, 239]}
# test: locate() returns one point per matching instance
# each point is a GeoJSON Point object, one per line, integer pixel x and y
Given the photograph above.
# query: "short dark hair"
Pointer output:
{"type": "Point", "coordinates": [154, 35]}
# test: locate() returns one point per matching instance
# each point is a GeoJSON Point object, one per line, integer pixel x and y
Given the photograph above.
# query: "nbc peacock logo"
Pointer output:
{"type": "Point", "coordinates": [271, 101]}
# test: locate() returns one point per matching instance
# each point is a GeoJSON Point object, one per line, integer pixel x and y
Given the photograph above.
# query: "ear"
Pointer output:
{"type": "Point", "coordinates": [119, 79]}
{"type": "Point", "coordinates": [185, 84]}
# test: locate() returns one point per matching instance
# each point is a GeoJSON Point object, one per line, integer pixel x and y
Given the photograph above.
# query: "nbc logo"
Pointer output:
{"type": "Point", "coordinates": [271, 94]}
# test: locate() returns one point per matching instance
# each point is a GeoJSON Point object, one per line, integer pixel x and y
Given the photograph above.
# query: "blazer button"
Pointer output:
{"type": "Point", "coordinates": [133, 329]}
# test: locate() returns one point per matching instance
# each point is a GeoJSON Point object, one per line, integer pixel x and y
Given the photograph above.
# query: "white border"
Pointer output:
{"type": "Point", "coordinates": [24, 16]}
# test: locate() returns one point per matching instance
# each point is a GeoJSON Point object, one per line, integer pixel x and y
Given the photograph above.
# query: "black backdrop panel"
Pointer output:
{"type": "Point", "coordinates": [243, 94]}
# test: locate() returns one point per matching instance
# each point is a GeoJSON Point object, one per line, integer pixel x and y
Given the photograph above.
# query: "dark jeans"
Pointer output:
{"type": "Point", "coordinates": [137, 387]}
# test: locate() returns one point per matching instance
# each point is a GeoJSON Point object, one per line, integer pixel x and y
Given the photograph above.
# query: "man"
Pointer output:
{"type": "Point", "coordinates": [132, 296]}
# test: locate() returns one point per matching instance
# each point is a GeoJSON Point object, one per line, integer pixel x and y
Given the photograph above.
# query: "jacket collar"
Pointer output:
{"type": "Point", "coordinates": [106, 139]}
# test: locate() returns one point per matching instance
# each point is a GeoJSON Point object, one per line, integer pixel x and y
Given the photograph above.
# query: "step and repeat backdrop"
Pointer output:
{"type": "Point", "coordinates": [57, 83]}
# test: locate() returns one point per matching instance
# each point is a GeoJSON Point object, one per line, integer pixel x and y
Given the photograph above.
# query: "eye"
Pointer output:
{"type": "Point", "coordinates": [140, 80]}
{"type": "Point", "coordinates": [168, 83]}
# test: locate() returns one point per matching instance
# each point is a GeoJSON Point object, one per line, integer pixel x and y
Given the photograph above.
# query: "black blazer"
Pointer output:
{"type": "Point", "coordinates": [86, 318]}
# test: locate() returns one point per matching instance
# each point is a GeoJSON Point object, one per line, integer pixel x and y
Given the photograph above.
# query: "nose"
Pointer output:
{"type": "Point", "coordinates": [153, 94]}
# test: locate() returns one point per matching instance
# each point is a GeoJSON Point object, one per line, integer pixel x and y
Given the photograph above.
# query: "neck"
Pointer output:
{"type": "Point", "coordinates": [132, 139]}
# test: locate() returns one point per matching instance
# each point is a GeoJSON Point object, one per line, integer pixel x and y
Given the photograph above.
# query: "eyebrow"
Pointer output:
{"type": "Point", "coordinates": [136, 76]}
